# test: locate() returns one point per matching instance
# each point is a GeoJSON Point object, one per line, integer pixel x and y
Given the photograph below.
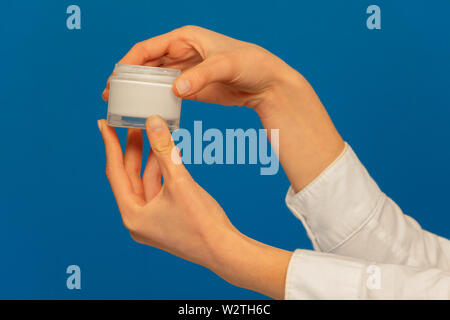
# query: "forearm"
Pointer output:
{"type": "Point", "coordinates": [344, 209]}
{"type": "Point", "coordinates": [249, 264]}
{"type": "Point", "coordinates": [308, 140]}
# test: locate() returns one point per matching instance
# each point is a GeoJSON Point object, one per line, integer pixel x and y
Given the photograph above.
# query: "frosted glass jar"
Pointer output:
{"type": "Point", "coordinates": [137, 92]}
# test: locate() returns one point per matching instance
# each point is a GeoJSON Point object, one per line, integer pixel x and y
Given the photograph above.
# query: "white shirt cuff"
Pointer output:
{"type": "Point", "coordinates": [317, 275]}
{"type": "Point", "coordinates": [337, 203]}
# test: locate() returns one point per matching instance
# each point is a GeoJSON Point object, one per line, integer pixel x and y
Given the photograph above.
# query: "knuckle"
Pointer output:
{"type": "Point", "coordinates": [180, 181]}
{"type": "Point", "coordinates": [137, 45]}
{"type": "Point", "coordinates": [225, 60]}
{"type": "Point", "coordinates": [139, 48]}
{"type": "Point", "coordinates": [190, 28]}
{"type": "Point", "coordinates": [250, 51]}
{"type": "Point", "coordinates": [199, 76]}
{"type": "Point", "coordinates": [134, 134]}
{"type": "Point", "coordinates": [133, 172]}
{"type": "Point", "coordinates": [225, 63]}
{"type": "Point", "coordinates": [186, 32]}
{"type": "Point", "coordinates": [163, 147]}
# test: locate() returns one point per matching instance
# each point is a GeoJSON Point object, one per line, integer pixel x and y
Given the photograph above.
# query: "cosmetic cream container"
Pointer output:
{"type": "Point", "coordinates": [137, 92]}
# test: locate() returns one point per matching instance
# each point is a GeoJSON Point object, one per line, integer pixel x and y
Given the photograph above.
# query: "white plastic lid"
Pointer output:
{"type": "Point", "coordinates": [144, 70]}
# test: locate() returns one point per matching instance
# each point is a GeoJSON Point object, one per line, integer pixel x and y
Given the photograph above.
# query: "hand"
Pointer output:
{"type": "Point", "coordinates": [222, 70]}
{"type": "Point", "coordinates": [178, 216]}
{"type": "Point", "coordinates": [182, 218]}
{"type": "Point", "coordinates": [216, 68]}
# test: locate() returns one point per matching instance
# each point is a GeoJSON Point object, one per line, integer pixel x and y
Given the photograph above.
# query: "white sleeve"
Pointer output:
{"type": "Point", "coordinates": [344, 212]}
{"type": "Point", "coordinates": [317, 275]}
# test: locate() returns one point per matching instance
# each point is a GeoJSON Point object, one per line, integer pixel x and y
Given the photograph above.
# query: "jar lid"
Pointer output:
{"type": "Point", "coordinates": [144, 70]}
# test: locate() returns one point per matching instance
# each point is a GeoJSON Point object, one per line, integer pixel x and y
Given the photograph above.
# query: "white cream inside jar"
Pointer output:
{"type": "Point", "coordinates": [137, 92]}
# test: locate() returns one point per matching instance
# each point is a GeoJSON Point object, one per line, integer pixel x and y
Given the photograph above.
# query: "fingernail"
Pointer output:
{"type": "Point", "coordinates": [99, 124]}
{"type": "Point", "coordinates": [183, 86]}
{"type": "Point", "coordinates": [154, 123]}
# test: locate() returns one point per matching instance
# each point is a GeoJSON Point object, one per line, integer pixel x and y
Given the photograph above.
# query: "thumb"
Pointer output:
{"type": "Point", "coordinates": [162, 146]}
{"type": "Point", "coordinates": [213, 69]}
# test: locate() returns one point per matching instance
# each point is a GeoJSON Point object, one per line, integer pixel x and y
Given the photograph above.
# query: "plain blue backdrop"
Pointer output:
{"type": "Point", "coordinates": [386, 90]}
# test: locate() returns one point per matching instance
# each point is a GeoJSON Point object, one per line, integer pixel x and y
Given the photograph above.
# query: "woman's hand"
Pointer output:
{"type": "Point", "coordinates": [182, 218]}
{"type": "Point", "coordinates": [222, 70]}
{"type": "Point", "coordinates": [178, 216]}
{"type": "Point", "coordinates": [216, 68]}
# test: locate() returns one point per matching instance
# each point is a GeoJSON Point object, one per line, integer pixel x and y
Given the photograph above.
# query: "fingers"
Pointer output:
{"type": "Point", "coordinates": [164, 149]}
{"type": "Point", "coordinates": [151, 177]}
{"type": "Point", "coordinates": [133, 160]}
{"type": "Point", "coordinates": [115, 170]}
{"type": "Point", "coordinates": [215, 69]}
{"type": "Point", "coordinates": [145, 52]}
{"type": "Point", "coordinates": [171, 45]}
{"type": "Point", "coordinates": [150, 49]}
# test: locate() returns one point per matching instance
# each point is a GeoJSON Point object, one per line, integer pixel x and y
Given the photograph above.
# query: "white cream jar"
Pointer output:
{"type": "Point", "coordinates": [137, 92]}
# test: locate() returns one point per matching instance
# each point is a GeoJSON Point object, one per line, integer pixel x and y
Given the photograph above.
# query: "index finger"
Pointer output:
{"type": "Point", "coordinates": [143, 52]}
{"type": "Point", "coordinates": [150, 51]}
{"type": "Point", "coordinates": [115, 169]}
{"type": "Point", "coordinates": [146, 50]}
{"type": "Point", "coordinates": [156, 47]}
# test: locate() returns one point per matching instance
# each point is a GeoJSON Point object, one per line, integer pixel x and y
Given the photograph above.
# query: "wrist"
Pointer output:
{"type": "Point", "coordinates": [293, 108]}
{"type": "Point", "coordinates": [289, 88]}
{"type": "Point", "coordinates": [224, 246]}
{"type": "Point", "coordinates": [249, 264]}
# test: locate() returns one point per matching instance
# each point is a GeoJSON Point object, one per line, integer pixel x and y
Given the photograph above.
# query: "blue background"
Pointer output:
{"type": "Point", "coordinates": [386, 90]}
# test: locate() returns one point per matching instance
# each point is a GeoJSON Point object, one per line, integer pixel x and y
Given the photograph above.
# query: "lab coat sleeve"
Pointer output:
{"type": "Point", "coordinates": [318, 275]}
{"type": "Point", "coordinates": [344, 212]}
